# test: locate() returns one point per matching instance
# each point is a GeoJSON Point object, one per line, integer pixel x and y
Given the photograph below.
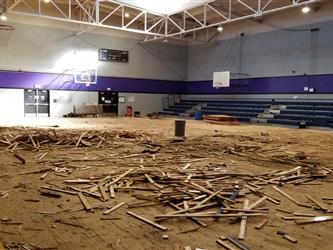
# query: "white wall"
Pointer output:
{"type": "Point", "coordinates": [11, 104]}
{"type": "Point", "coordinates": [39, 49]}
{"type": "Point", "coordinates": [145, 103]}
{"type": "Point", "coordinates": [65, 100]}
{"type": "Point", "coordinates": [278, 46]}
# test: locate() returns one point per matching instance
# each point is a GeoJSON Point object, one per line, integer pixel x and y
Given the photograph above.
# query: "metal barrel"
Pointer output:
{"type": "Point", "coordinates": [180, 128]}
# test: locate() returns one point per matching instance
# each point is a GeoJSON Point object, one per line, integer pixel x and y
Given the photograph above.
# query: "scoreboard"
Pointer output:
{"type": "Point", "coordinates": [111, 55]}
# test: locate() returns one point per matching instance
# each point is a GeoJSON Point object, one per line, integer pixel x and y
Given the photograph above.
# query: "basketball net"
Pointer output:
{"type": "Point", "coordinates": [6, 32]}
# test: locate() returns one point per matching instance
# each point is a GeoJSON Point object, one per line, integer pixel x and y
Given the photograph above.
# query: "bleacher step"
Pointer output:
{"type": "Point", "coordinates": [258, 120]}
{"type": "Point", "coordinates": [266, 115]}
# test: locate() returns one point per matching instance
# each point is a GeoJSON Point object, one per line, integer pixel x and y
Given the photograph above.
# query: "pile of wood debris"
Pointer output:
{"type": "Point", "coordinates": [177, 181]}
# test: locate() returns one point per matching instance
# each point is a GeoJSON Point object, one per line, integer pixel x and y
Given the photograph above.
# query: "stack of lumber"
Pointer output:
{"type": "Point", "coordinates": [220, 119]}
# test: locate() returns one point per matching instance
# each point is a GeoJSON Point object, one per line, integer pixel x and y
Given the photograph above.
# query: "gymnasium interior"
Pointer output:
{"type": "Point", "coordinates": [166, 124]}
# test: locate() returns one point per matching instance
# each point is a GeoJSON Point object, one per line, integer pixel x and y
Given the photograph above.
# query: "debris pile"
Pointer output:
{"type": "Point", "coordinates": [174, 177]}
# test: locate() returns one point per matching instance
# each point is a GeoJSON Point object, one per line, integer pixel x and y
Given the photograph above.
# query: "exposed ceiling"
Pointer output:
{"type": "Point", "coordinates": [155, 19]}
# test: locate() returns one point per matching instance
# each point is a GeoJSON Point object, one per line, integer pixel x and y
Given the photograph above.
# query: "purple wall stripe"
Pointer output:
{"type": "Point", "coordinates": [25, 80]}
{"type": "Point", "coordinates": [323, 84]}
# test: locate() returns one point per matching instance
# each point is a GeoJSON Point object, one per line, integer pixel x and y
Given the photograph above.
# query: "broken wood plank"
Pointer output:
{"type": "Point", "coordinates": [315, 219]}
{"type": "Point", "coordinates": [242, 228]}
{"type": "Point", "coordinates": [256, 203]}
{"type": "Point", "coordinates": [112, 193]}
{"type": "Point", "coordinates": [207, 214]}
{"type": "Point", "coordinates": [103, 193]}
{"type": "Point", "coordinates": [318, 203]}
{"type": "Point", "coordinates": [147, 221]}
{"type": "Point", "coordinates": [188, 178]}
{"type": "Point", "coordinates": [120, 177]}
{"type": "Point", "coordinates": [36, 171]}
{"type": "Point", "coordinates": [114, 208]}
{"type": "Point", "coordinates": [84, 201]}
{"type": "Point", "coordinates": [226, 245]}
{"type": "Point", "coordinates": [193, 219]}
{"type": "Point", "coordinates": [238, 243]}
{"type": "Point", "coordinates": [208, 198]}
{"type": "Point", "coordinates": [50, 193]}
{"type": "Point", "coordinates": [186, 166]}
{"type": "Point", "coordinates": [261, 224]}
{"type": "Point", "coordinates": [33, 141]}
{"type": "Point", "coordinates": [151, 181]}
{"type": "Point", "coordinates": [290, 238]}
{"type": "Point", "coordinates": [286, 195]}
{"type": "Point", "coordinates": [21, 158]}
{"type": "Point", "coordinates": [80, 138]}
{"type": "Point", "coordinates": [59, 190]}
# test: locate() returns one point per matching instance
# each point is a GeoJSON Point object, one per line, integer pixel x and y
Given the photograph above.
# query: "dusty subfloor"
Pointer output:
{"type": "Point", "coordinates": [36, 219]}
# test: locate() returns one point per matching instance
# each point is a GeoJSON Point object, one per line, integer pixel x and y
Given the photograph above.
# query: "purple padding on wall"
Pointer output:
{"type": "Point", "coordinates": [268, 85]}
{"type": "Point", "coordinates": [323, 84]}
{"type": "Point", "coordinates": [25, 80]}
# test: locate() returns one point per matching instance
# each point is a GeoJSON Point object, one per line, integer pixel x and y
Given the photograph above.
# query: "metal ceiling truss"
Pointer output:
{"type": "Point", "coordinates": [114, 15]}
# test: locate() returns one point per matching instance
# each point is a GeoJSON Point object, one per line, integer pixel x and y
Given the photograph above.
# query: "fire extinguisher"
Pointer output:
{"type": "Point", "coordinates": [129, 111]}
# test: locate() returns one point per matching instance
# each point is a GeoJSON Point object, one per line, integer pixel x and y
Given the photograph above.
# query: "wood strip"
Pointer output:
{"type": "Point", "coordinates": [80, 138]}
{"type": "Point", "coordinates": [186, 206]}
{"type": "Point", "coordinates": [103, 193]}
{"type": "Point", "coordinates": [315, 220]}
{"type": "Point", "coordinates": [193, 208]}
{"type": "Point", "coordinates": [286, 195]}
{"type": "Point", "coordinates": [84, 201]}
{"type": "Point", "coordinates": [112, 193]}
{"type": "Point", "coordinates": [151, 181]}
{"type": "Point", "coordinates": [261, 224]}
{"type": "Point", "coordinates": [147, 221]}
{"type": "Point", "coordinates": [22, 160]}
{"type": "Point", "coordinates": [186, 166]}
{"type": "Point", "coordinates": [114, 208]}
{"type": "Point", "coordinates": [318, 203]}
{"type": "Point", "coordinates": [208, 198]}
{"type": "Point", "coordinates": [209, 214]}
{"type": "Point", "coordinates": [238, 243]}
{"type": "Point", "coordinates": [226, 245]}
{"type": "Point", "coordinates": [256, 203]}
{"type": "Point", "coordinates": [59, 190]}
{"type": "Point", "coordinates": [32, 140]}
{"type": "Point", "coordinates": [120, 177]}
{"type": "Point", "coordinates": [98, 196]}
{"type": "Point", "coordinates": [193, 219]}
{"type": "Point", "coordinates": [188, 178]}
{"type": "Point", "coordinates": [290, 238]}
{"type": "Point", "coordinates": [242, 228]}
{"type": "Point", "coordinates": [293, 217]}
{"type": "Point", "coordinates": [291, 171]}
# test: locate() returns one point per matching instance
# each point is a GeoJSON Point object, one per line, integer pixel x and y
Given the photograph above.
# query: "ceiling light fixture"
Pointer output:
{"type": "Point", "coordinates": [3, 17]}
{"type": "Point", "coordinates": [127, 15]}
{"type": "Point", "coordinates": [47, 1]}
{"type": "Point", "coordinates": [306, 9]}
{"type": "Point", "coordinates": [220, 28]}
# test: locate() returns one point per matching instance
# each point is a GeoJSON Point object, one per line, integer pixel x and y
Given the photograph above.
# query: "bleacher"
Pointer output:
{"type": "Point", "coordinates": [286, 112]}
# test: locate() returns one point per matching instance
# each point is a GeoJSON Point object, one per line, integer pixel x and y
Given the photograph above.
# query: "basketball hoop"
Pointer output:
{"type": "Point", "coordinates": [6, 31]}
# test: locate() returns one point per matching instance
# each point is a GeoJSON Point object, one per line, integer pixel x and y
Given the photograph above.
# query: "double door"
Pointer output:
{"type": "Point", "coordinates": [36, 103]}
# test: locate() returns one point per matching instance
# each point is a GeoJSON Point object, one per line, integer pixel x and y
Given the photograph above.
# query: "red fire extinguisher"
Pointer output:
{"type": "Point", "coordinates": [129, 111]}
